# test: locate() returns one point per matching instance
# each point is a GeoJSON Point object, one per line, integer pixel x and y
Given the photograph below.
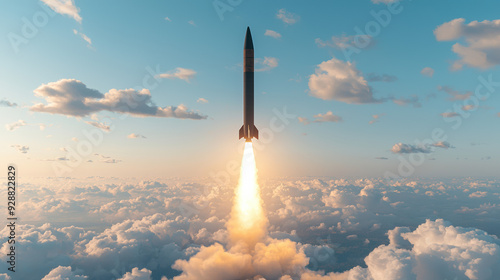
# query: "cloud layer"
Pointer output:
{"type": "Point", "coordinates": [318, 229]}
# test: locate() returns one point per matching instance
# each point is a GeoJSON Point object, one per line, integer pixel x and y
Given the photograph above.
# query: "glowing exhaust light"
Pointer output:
{"type": "Point", "coordinates": [247, 223]}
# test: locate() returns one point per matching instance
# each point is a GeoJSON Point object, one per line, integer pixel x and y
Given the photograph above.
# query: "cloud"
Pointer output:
{"type": "Point", "coordinates": [427, 71]}
{"type": "Point", "coordinates": [132, 225]}
{"type": "Point", "coordinates": [450, 114]}
{"type": "Point", "coordinates": [266, 64]}
{"type": "Point", "coordinates": [64, 7]}
{"type": "Point", "coordinates": [376, 118]}
{"type": "Point", "coordinates": [287, 17]}
{"type": "Point", "coordinates": [401, 148]}
{"type": "Point", "coordinates": [167, 19]}
{"type": "Point", "coordinates": [21, 148]}
{"type": "Point", "coordinates": [84, 37]}
{"type": "Point", "coordinates": [102, 126]}
{"type": "Point", "coordinates": [347, 41]}
{"type": "Point", "coordinates": [192, 22]}
{"type": "Point", "coordinates": [340, 81]}
{"type": "Point", "coordinates": [304, 120]}
{"type": "Point", "coordinates": [327, 117]}
{"type": "Point", "coordinates": [382, 158]}
{"type": "Point", "coordinates": [373, 77]}
{"type": "Point", "coordinates": [178, 73]}
{"type": "Point", "coordinates": [482, 48]}
{"type": "Point", "coordinates": [15, 125]}
{"type": "Point", "coordinates": [455, 95]}
{"type": "Point", "coordinates": [134, 135]}
{"type": "Point", "coordinates": [107, 159]}
{"type": "Point", "coordinates": [469, 107]}
{"type": "Point", "coordinates": [72, 98]}
{"type": "Point", "coordinates": [202, 100]}
{"type": "Point", "coordinates": [7, 103]}
{"type": "Point", "coordinates": [63, 273]}
{"type": "Point", "coordinates": [414, 101]}
{"type": "Point", "coordinates": [273, 34]}
{"type": "Point", "coordinates": [136, 274]}
{"type": "Point", "coordinates": [442, 144]}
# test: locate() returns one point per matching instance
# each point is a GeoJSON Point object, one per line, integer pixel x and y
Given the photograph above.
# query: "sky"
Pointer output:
{"type": "Point", "coordinates": [152, 89]}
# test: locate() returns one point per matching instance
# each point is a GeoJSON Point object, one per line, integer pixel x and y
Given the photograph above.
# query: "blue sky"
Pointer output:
{"type": "Point", "coordinates": [129, 37]}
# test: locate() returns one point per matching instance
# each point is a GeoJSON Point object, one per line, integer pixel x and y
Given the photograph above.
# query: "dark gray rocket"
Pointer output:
{"type": "Point", "coordinates": [248, 130]}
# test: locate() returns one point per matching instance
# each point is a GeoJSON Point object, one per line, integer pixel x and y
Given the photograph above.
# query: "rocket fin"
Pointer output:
{"type": "Point", "coordinates": [255, 132]}
{"type": "Point", "coordinates": [242, 132]}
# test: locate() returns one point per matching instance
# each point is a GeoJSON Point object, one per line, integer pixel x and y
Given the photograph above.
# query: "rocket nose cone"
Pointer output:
{"type": "Point", "coordinates": [248, 40]}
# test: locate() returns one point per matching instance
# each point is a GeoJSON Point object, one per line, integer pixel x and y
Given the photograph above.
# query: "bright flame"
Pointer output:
{"type": "Point", "coordinates": [248, 223]}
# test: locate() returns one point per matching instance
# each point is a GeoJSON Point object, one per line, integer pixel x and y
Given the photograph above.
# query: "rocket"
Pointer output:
{"type": "Point", "coordinates": [248, 130]}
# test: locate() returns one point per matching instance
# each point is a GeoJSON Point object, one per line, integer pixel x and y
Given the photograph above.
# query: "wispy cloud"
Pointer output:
{"type": "Point", "coordinates": [401, 148]}
{"type": "Point", "coordinates": [15, 125]}
{"type": "Point", "coordinates": [102, 126]}
{"type": "Point", "coordinates": [373, 77]}
{"type": "Point", "coordinates": [287, 17]}
{"type": "Point", "coordinates": [84, 37]}
{"type": "Point", "coordinates": [427, 71]}
{"type": "Point", "coordinates": [376, 118]}
{"type": "Point", "coordinates": [7, 103]}
{"type": "Point", "coordinates": [266, 64]}
{"type": "Point", "coordinates": [273, 34]}
{"type": "Point", "coordinates": [455, 95]}
{"type": "Point", "coordinates": [135, 135]}
{"type": "Point", "coordinates": [179, 73]}
{"type": "Point", "coordinates": [21, 148]}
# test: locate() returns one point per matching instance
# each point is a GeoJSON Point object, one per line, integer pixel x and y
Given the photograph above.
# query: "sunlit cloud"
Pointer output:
{"type": "Point", "coordinates": [64, 7]}
{"type": "Point", "coordinates": [178, 73]}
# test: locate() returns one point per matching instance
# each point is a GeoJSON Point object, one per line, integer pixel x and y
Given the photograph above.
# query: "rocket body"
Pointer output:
{"type": "Point", "coordinates": [248, 130]}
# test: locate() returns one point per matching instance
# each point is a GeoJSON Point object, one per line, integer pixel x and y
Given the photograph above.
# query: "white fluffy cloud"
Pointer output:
{"type": "Point", "coordinates": [64, 7]}
{"type": "Point", "coordinates": [136, 274]}
{"type": "Point", "coordinates": [73, 98]}
{"type": "Point", "coordinates": [63, 273]}
{"type": "Point", "coordinates": [341, 81]}
{"type": "Point", "coordinates": [482, 49]}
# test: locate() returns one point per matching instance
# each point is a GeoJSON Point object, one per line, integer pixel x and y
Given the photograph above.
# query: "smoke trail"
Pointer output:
{"type": "Point", "coordinates": [248, 223]}
{"type": "Point", "coordinates": [251, 253]}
